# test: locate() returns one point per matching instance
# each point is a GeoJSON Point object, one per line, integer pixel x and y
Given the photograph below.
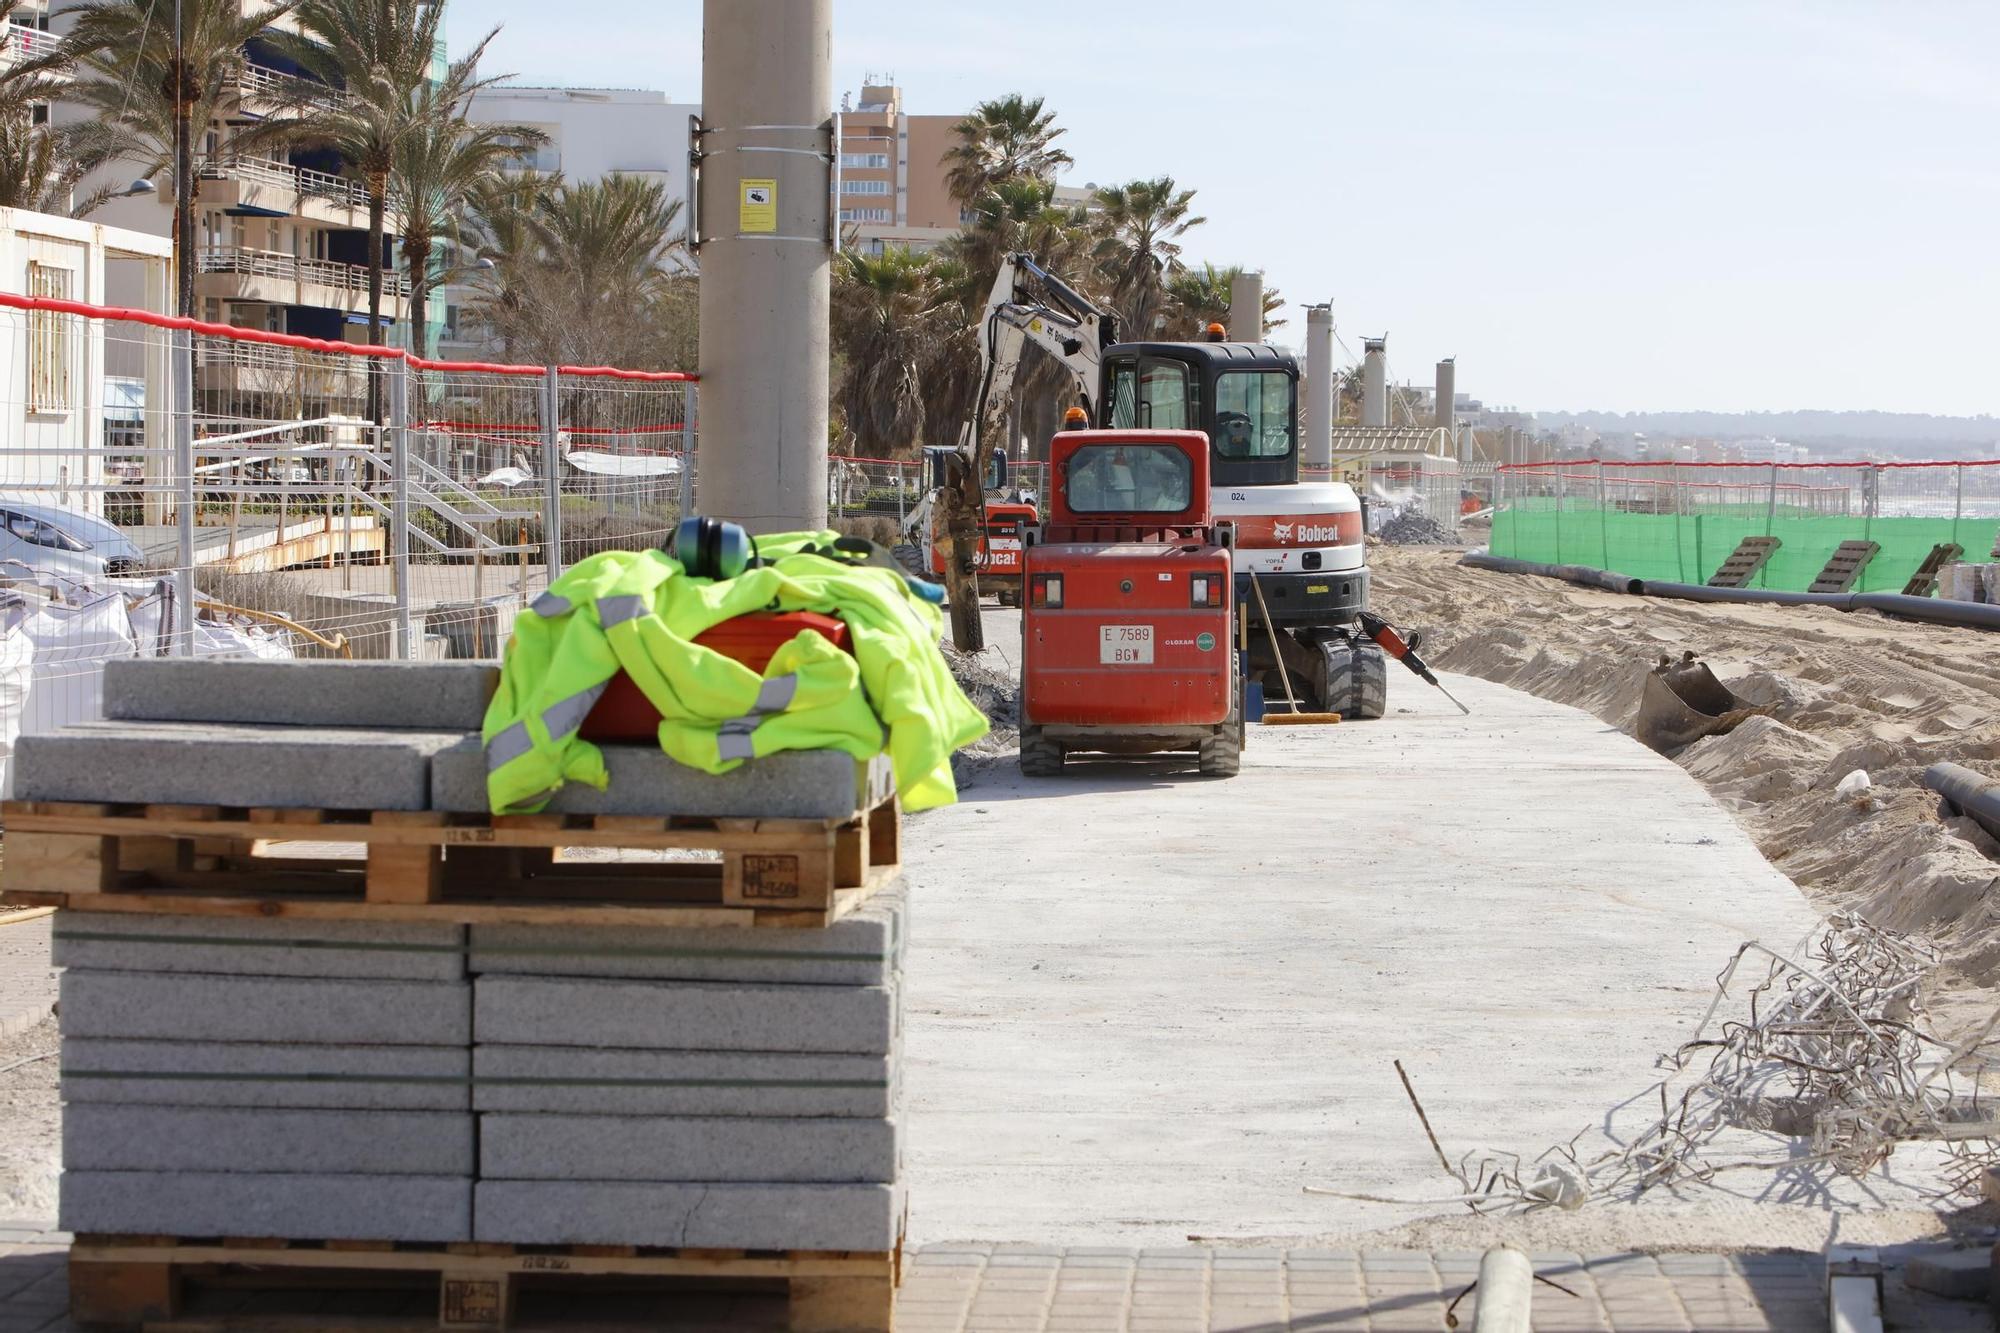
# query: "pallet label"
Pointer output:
{"type": "Point", "coordinates": [458, 836]}
{"type": "Point", "coordinates": [472, 1300]}
{"type": "Point", "coordinates": [770, 877]}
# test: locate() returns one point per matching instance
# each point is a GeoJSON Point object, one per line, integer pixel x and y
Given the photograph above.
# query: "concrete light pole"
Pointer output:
{"type": "Point", "coordinates": [763, 205]}
{"type": "Point", "coordinates": [1246, 307]}
{"type": "Point", "coordinates": [1318, 447]}
{"type": "Point", "coordinates": [1375, 381]}
{"type": "Point", "coordinates": [1446, 412]}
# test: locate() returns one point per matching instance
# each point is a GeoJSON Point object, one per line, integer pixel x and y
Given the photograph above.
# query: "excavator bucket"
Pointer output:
{"type": "Point", "coordinates": [1683, 701]}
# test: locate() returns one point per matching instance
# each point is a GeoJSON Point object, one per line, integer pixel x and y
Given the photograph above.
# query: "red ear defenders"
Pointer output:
{"type": "Point", "coordinates": [710, 548]}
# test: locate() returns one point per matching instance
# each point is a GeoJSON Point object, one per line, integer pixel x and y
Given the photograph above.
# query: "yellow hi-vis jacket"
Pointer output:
{"type": "Point", "coordinates": [637, 611]}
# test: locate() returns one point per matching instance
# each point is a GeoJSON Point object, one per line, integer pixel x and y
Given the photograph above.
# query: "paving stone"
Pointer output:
{"type": "Point", "coordinates": [435, 696]}
{"type": "Point", "coordinates": [731, 1216]}
{"type": "Point", "coordinates": [582, 1081]}
{"type": "Point", "coordinates": [413, 1208]}
{"type": "Point", "coordinates": [249, 946]}
{"type": "Point", "coordinates": [207, 763]}
{"type": "Point", "coordinates": [689, 1148]}
{"type": "Point", "coordinates": [127, 1005]}
{"type": "Point", "coordinates": [215, 1073]}
{"type": "Point", "coordinates": [864, 948]}
{"type": "Point", "coordinates": [328, 1143]}
{"type": "Point", "coordinates": [684, 1016]}
{"type": "Point", "coordinates": [792, 784]}
{"type": "Point", "coordinates": [1960, 1275]}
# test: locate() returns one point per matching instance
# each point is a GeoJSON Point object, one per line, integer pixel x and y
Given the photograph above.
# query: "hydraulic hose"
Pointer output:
{"type": "Point", "coordinates": [1975, 795]}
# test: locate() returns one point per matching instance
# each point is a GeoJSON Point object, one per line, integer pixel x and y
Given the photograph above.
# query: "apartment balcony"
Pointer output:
{"type": "Point", "coordinates": [269, 277]}
{"type": "Point", "coordinates": [19, 42]}
{"type": "Point", "coordinates": [258, 88]}
{"type": "Point", "coordinates": [258, 185]}
{"type": "Point", "coordinates": [243, 369]}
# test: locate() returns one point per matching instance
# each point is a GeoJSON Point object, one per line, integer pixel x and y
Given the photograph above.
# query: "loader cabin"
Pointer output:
{"type": "Point", "coordinates": [1129, 486]}
{"type": "Point", "coordinates": [1243, 396]}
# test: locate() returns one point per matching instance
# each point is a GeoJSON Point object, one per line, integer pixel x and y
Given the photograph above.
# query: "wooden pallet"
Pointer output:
{"type": "Point", "coordinates": [1924, 581]}
{"type": "Point", "coordinates": [1843, 568]}
{"type": "Point", "coordinates": [1742, 564]}
{"type": "Point", "coordinates": [430, 866]}
{"type": "Point", "coordinates": [153, 1283]}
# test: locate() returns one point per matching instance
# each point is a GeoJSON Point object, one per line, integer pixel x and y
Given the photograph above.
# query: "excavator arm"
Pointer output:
{"type": "Point", "coordinates": [1027, 305]}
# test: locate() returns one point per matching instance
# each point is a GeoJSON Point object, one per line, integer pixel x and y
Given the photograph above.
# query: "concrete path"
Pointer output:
{"type": "Point", "coordinates": [27, 981]}
{"type": "Point", "coordinates": [1010, 1288]}
{"type": "Point", "coordinates": [1144, 1006]}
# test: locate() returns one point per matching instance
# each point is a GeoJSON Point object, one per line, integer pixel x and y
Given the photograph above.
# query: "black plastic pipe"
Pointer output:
{"type": "Point", "coordinates": [1607, 579]}
{"type": "Point", "coordinates": [1976, 795]}
{"type": "Point", "coordinates": [1931, 610]}
{"type": "Point", "coordinates": [1936, 610]}
{"type": "Point", "coordinates": [1699, 592]}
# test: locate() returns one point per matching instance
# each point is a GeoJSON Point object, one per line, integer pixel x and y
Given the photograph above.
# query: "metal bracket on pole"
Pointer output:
{"type": "Point", "coordinates": [399, 503]}
{"type": "Point", "coordinates": [183, 400]}
{"type": "Point", "coordinates": [552, 465]}
{"type": "Point", "coordinates": [695, 154]}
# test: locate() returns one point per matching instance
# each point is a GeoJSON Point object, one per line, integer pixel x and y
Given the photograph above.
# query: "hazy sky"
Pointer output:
{"type": "Point", "coordinates": [1599, 204]}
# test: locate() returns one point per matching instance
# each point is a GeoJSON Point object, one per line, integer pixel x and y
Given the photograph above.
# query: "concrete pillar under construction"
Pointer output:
{"type": "Point", "coordinates": [766, 255]}
{"type": "Point", "coordinates": [1446, 409]}
{"type": "Point", "coordinates": [1246, 307]}
{"type": "Point", "coordinates": [1375, 381]}
{"type": "Point", "coordinates": [1317, 446]}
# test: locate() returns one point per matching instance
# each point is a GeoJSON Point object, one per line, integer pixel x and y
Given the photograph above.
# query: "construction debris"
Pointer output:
{"type": "Point", "coordinates": [1411, 526]}
{"type": "Point", "coordinates": [1831, 1048]}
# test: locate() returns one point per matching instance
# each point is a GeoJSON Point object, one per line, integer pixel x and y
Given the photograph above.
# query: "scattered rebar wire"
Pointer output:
{"type": "Point", "coordinates": [1833, 1050]}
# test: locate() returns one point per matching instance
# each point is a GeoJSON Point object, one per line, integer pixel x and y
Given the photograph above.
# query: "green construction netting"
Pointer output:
{"type": "Point", "coordinates": [1686, 548]}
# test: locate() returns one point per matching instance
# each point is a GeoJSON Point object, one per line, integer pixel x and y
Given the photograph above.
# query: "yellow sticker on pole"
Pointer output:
{"type": "Point", "coordinates": [758, 206]}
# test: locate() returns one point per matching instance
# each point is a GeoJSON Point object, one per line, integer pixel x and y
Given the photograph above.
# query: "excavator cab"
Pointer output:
{"type": "Point", "coordinates": [1243, 396]}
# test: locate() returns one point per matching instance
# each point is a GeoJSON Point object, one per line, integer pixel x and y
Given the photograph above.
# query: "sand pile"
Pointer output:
{"type": "Point", "coordinates": [1847, 692]}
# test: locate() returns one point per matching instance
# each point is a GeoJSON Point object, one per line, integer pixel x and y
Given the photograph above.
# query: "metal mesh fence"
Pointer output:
{"type": "Point", "coordinates": [1680, 521]}
{"type": "Point", "coordinates": [170, 487]}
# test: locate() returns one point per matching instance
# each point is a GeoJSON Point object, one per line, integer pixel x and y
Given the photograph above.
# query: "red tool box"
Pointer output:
{"type": "Point", "coordinates": [624, 713]}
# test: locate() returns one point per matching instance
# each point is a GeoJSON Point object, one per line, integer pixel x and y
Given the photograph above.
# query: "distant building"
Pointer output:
{"type": "Point", "coordinates": [281, 239]}
{"type": "Point", "coordinates": [594, 132]}
{"type": "Point", "coordinates": [892, 172]}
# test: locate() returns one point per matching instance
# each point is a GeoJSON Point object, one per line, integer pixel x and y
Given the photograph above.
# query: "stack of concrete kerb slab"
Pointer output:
{"type": "Point", "coordinates": [714, 1088]}
{"type": "Point", "coordinates": [457, 1034]}
{"type": "Point", "coordinates": [265, 1078]}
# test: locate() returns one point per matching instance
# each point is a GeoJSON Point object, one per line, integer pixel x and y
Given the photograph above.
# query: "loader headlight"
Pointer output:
{"type": "Point", "coordinates": [1046, 590]}
{"type": "Point", "coordinates": [1205, 590]}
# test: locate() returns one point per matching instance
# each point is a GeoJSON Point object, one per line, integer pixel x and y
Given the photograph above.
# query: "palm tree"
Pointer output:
{"type": "Point", "coordinates": [1141, 224]}
{"type": "Point", "coordinates": [889, 319]}
{"type": "Point", "coordinates": [1007, 139]}
{"type": "Point", "coordinates": [383, 53]}
{"type": "Point", "coordinates": [582, 271]}
{"type": "Point", "coordinates": [1198, 297]}
{"type": "Point", "coordinates": [145, 102]}
{"type": "Point", "coordinates": [439, 168]}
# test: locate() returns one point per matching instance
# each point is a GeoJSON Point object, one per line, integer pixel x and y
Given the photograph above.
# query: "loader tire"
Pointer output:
{"type": "Point", "coordinates": [968, 631]}
{"type": "Point", "coordinates": [1222, 753]}
{"type": "Point", "coordinates": [911, 558]}
{"type": "Point", "coordinates": [1040, 757]}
